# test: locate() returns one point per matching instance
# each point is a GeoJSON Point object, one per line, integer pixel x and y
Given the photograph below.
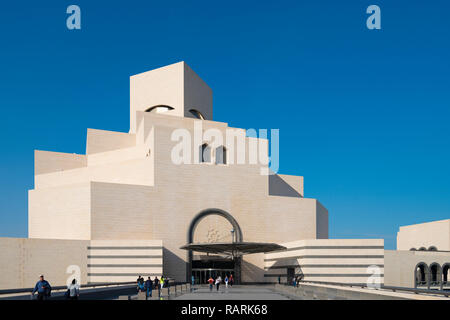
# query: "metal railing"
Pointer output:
{"type": "Point", "coordinates": [57, 288]}
{"type": "Point", "coordinates": [382, 287]}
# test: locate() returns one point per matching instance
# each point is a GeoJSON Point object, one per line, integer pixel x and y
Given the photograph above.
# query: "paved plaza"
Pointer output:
{"type": "Point", "coordinates": [236, 292]}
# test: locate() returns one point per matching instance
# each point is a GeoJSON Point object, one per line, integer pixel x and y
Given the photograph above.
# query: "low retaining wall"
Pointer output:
{"type": "Point", "coordinates": [316, 292]}
{"type": "Point", "coordinates": [164, 294]}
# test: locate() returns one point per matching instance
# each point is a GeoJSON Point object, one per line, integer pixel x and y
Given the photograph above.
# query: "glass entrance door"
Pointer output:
{"type": "Point", "coordinates": [203, 269]}
{"type": "Point", "coordinates": [201, 276]}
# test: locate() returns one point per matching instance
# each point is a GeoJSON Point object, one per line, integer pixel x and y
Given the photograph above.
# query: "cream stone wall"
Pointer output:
{"type": "Point", "coordinates": [118, 156]}
{"type": "Point", "coordinates": [176, 86]}
{"type": "Point", "coordinates": [102, 141]}
{"type": "Point", "coordinates": [130, 188]}
{"type": "Point", "coordinates": [425, 235]}
{"type": "Point", "coordinates": [213, 229]}
{"type": "Point", "coordinates": [162, 86]}
{"type": "Point", "coordinates": [328, 260]}
{"type": "Point", "coordinates": [138, 171]}
{"type": "Point", "coordinates": [164, 208]}
{"type": "Point", "coordinates": [131, 165]}
{"type": "Point", "coordinates": [22, 261]}
{"type": "Point", "coordinates": [238, 189]}
{"type": "Point", "coordinates": [47, 161]}
{"type": "Point", "coordinates": [127, 195]}
{"type": "Point", "coordinates": [124, 260]}
{"type": "Point", "coordinates": [60, 212]}
{"type": "Point", "coordinates": [121, 211]}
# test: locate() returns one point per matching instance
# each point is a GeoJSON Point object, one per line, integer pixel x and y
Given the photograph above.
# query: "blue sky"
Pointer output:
{"type": "Point", "coordinates": [363, 114]}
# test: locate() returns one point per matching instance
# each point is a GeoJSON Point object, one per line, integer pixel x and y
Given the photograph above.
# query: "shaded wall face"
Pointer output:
{"type": "Point", "coordinates": [285, 186]}
{"type": "Point", "coordinates": [197, 95]}
{"type": "Point", "coordinates": [321, 221]}
{"type": "Point", "coordinates": [252, 268]}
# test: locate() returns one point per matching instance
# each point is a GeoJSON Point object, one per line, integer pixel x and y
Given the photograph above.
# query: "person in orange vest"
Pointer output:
{"type": "Point", "coordinates": [211, 283]}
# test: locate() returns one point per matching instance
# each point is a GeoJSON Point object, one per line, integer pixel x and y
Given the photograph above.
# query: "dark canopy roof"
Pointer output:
{"type": "Point", "coordinates": [233, 249]}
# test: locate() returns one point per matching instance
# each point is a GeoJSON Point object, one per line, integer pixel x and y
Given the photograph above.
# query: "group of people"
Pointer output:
{"type": "Point", "coordinates": [228, 281]}
{"type": "Point", "coordinates": [44, 290]}
{"type": "Point", "coordinates": [148, 285]}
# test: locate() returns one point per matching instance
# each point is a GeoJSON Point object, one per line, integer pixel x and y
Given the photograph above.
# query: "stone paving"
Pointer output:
{"type": "Point", "coordinates": [236, 292]}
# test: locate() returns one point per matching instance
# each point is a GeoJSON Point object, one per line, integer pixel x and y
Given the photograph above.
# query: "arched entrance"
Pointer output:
{"type": "Point", "coordinates": [445, 274]}
{"type": "Point", "coordinates": [421, 275]}
{"type": "Point", "coordinates": [435, 274]}
{"type": "Point", "coordinates": [203, 268]}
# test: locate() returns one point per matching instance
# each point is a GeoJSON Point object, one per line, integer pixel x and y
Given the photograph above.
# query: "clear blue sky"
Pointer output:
{"type": "Point", "coordinates": [363, 115]}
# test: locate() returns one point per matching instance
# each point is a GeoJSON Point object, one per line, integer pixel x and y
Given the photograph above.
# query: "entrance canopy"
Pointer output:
{"type": "Point", "coordinates": [233, 249]}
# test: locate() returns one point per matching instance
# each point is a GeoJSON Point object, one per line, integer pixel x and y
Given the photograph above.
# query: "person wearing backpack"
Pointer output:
{"type": "Point", "coordinates": [141, 285]}
{"type": "Point", "coordinates": [43, 289]}
{"type": "Point", "coordinates": [138, 282]}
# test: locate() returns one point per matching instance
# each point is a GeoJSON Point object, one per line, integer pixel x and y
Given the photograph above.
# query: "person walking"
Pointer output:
{"type": "Point", "coordinates": [218, 281]}
{"type": "Point", "coordinates": [149, 287]}
{"type": "Point", "coordinates": [193, 280]}
{"type": "Point", "coordinates": [161, 285]}
{"type": "Point", "coordinates": [211, 283]}
{"type": "Point", "coordinates": [231, 280]}
{"type": "Point", "coordinates": [156, 284]}
{"type": "Point", "coordinates": [73, 290]}
{"type": "Point", "coordinates": [226, 282]}
{"type": "Point", "coordinates": [43, 289]}
{"type": "Point", "coordinates": [138, 281]}
{"type": "Point", "coordinates": [141, 285]}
